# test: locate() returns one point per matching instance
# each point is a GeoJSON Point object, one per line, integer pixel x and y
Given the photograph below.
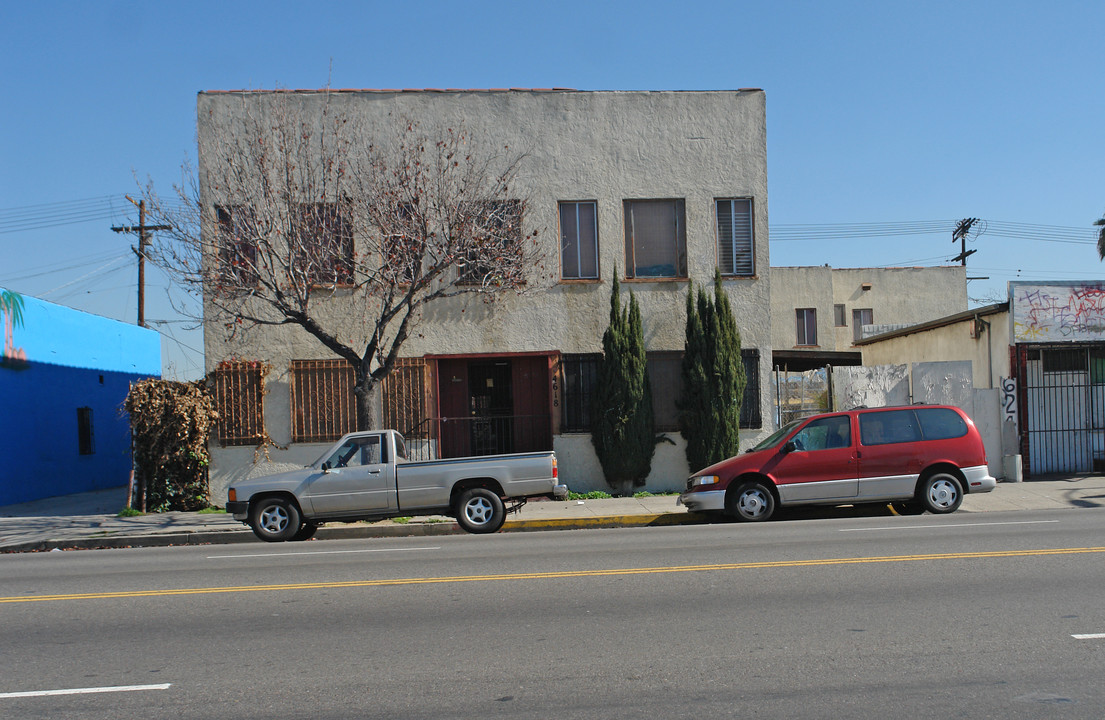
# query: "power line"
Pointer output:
{"type": "Point", "coordinates": [67, 212]}
{"type": "Point", "coordinates": [787, 232]}
{"type": "Point", "coordinates": [71, 264]}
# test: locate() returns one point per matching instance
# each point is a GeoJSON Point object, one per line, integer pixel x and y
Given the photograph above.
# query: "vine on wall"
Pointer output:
{"type": "Point", "coordinates": [170, 424]}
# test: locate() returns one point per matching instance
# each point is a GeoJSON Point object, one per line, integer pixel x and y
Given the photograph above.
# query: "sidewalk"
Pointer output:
{"type": "Point", "coordinates": [88, 520]}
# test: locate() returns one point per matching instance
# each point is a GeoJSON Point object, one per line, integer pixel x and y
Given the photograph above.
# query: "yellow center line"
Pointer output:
{"type": "Point", "coordinates": [554, 575]}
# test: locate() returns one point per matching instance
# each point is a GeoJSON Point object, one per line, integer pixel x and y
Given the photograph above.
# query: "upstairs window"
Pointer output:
{"type": "Point", "coordinates": [492, 254]}
{"type": "Point", "coordinates": [861, 317]}
{"type": "Point", "coordinates": [807, 326]}
{"type": "Point", "coordinates": [404, 246]}
{"type": "Point", "coordinates": [324, 244]}
{"type": "Point", "coordinates": [655, 239]}
{"type": "Point", "coordinates": [840, 316]}
{"type": "Point", "coordinates": [579, 241]}
{"type": "Point", "coordinates": [734, 237]}
{"type": "Point", "coordinates": [237, 246]}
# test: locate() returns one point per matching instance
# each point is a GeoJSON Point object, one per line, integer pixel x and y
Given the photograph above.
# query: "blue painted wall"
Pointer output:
{"type": "Point", "coordinates": [56, 360]}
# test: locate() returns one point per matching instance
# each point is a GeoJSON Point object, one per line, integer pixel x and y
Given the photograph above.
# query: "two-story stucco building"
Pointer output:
{"type": "Point", "coordinates": [659, 187]}
{"type": "Point", "coordinates": [818, 313]}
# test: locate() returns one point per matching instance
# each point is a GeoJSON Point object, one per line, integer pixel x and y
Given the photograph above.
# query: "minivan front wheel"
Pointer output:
{"type": "Point", "coordinates": [752, 502]}
{"type": "Point", "coordinates": [941, 493]}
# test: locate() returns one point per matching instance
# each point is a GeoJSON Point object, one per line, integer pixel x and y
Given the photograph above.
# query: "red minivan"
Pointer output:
{"type": "Point", "coordinates": [922, 457]}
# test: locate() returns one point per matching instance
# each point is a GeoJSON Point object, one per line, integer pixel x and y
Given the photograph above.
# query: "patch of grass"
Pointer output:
{"type": "Point", "coordinates": [128, 512]}
{"type": "Point", "coordinates": [646, 493]}
{"type": "Point", "coordinates": [593, 495]}
{"type": "Point", "coordinates": [401, 520]}
{"type": "Point", "coordinates": [212, 510]}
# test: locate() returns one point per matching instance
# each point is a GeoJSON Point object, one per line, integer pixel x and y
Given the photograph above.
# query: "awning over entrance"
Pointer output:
{"type": "Point", "coordinates": [802, 360]}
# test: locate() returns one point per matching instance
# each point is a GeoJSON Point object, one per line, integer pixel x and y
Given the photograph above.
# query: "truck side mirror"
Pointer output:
{"type": "Point", "coordinates": [326, 466]}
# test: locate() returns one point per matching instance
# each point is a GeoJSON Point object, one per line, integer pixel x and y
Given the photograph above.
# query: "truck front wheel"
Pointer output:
{"type": "Point", "coordinates": [274, 519]}
{"type": "Point", "coordinates": [480, 511]}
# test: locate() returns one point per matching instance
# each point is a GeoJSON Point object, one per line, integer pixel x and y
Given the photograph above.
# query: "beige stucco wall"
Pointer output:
{"type": "Point", "coordinates": [602, 146]}
{"type": "Point", "coordinates": [987, 351]}
{"type": "Point", "coordinates": [905, 295]}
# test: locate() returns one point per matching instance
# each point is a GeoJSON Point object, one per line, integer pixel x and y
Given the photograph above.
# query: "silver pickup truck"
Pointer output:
{"type": "Point", "coordinates": [366, 475]}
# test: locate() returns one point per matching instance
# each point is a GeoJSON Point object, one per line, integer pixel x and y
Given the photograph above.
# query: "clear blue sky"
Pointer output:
{"type": "Point", "coordinates": [878, 112]}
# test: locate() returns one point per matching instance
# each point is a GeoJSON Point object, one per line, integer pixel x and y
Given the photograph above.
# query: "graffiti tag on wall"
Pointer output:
{"type": "Point", "coordinates": [1009, 399]}
{"type": "Point", "coordinates": [1058, 312]}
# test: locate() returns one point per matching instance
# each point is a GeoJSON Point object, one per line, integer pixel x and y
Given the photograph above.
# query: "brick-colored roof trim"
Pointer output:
{"type": "Point", "coordinates": [450, 90]}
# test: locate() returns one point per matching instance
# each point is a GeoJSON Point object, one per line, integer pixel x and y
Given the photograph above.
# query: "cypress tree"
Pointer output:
{"type": "Point", "coordinates": [729, 374]}
{"type": "Point", "coordinates": [622, 430]}
{"type": "Point", "coordinates": [713, 378]}
{"type": "Point", "coordinates": [694, 420]}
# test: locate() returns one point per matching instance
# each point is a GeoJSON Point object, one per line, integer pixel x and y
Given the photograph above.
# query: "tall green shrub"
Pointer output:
{"type": "Point", "coordinates": [713, 378]}
{"type": "Point", "coordinates": [622, 429]}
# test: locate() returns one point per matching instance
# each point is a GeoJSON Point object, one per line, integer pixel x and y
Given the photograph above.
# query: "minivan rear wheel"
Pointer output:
{"type": "Point", "coordinates": [752, 502]}
{"type": "Point", "coordinates": [941, 492]}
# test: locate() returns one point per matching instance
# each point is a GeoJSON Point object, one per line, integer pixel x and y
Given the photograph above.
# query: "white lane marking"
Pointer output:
{"type": "Point", "coordinates": [85, 691]}
{"type": "Point", "coordinates": [1090, 636]}
{"type": "Point", "coordinates": [321, 552]}
{"type": "Point", "coordinates": [921, 527]}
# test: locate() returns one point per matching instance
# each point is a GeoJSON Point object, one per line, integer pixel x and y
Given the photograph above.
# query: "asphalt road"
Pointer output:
{"type": "Point", "coordinates": [1000, 616]}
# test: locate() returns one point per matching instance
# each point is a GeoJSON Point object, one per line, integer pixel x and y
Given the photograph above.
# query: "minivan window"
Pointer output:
{"type": "Point", "coordinates": [941, 423]}
{"type": "Point", "coordinates": [824, 434]}
{"type": "Point", "coordinates": [775, 437]}
{"type": "Point", "coordinates": [891, 426]}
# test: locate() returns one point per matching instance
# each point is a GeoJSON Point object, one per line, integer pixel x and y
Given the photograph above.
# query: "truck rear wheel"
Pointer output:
{"type": "Point", "coordinates": [479, 510]}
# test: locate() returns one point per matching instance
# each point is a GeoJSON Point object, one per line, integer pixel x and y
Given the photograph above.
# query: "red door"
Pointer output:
{"type": "Point", "coordinates": [821, 465]}
{"type": "Point", "coordinates": [532, 420]}
{"type": "Point", "coordinates": [452, 393]}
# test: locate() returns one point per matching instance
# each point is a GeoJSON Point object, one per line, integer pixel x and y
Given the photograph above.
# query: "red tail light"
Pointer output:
{"type": "Point", "coordinates": [554, 470]}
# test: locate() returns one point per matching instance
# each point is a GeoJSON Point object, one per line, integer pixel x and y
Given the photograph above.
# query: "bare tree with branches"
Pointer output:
{"type": "Point", "coordinates": [302, 214]}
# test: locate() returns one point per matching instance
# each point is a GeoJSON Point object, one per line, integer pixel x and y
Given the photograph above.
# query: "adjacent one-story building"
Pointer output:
{"type": "Point", "coordinates": [64, 375]}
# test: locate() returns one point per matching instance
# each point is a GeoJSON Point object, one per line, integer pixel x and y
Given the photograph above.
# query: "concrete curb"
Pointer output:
{"type": "Point", "coordinates": [349, 532]}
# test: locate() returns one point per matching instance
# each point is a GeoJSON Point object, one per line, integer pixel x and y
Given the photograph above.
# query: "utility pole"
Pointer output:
{"type": "Point", "coordinates": [143, 231]}
{"type": "Point", "coordinates": [960, 234]}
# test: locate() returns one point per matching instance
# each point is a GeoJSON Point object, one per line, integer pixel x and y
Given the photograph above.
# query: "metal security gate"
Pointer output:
{"type": "Point", "coordinates": [1065, 408]}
